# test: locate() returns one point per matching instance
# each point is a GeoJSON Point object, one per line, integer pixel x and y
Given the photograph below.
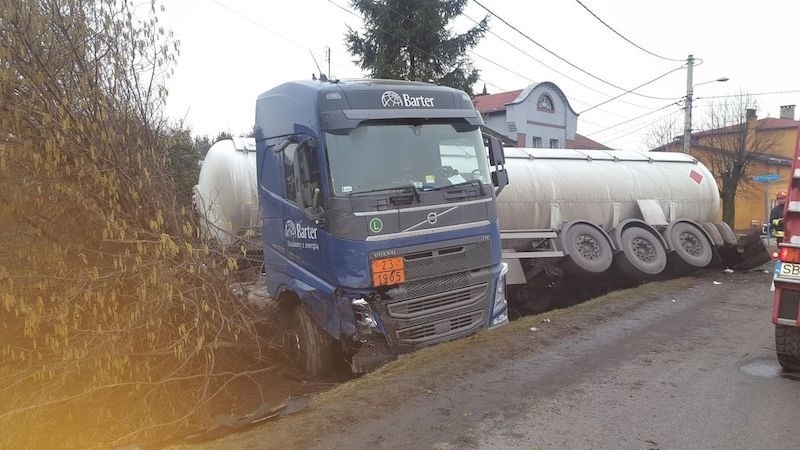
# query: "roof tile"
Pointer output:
{"type": "Point", "coordinates": [494, 102]}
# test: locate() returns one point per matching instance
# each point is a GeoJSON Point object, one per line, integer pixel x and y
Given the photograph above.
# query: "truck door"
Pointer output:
{"type": "Point", "coordinates": [303, 192]}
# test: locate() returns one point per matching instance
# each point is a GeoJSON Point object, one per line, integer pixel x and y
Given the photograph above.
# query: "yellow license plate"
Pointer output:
{"type": "Point", "coordinates": [388, 271]}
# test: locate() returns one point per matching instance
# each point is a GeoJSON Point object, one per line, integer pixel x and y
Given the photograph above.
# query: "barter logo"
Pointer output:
{"type": "Point", "coordinates": [289, 229]}
{"type": "Point", "coordinates": [390, 99]}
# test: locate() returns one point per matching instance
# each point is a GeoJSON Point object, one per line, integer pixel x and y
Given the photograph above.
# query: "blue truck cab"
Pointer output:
{"type": "Point", "coordinates": [378, 218]}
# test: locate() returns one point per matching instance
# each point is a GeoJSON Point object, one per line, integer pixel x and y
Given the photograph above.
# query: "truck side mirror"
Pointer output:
{"type": "Point", "coordinates": [300, 140]}
{"type": "Point", "coordinates": [497, 156]}
{"type": "Point", "coordinates": [500, 179]}
{"type": "Point", "coordinates": [283, 143]}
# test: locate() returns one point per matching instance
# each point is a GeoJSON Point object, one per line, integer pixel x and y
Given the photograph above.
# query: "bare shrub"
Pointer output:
{"type": "Point", "coordinates": [114, 313]}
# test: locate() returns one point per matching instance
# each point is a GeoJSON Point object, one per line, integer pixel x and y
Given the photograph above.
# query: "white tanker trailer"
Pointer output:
{"type": "Point", "coordinates": [573, 212]}
{"type": "Point", "coordinates": [226, 196]}
{"type": "Point", "coordinates": [581, 212]}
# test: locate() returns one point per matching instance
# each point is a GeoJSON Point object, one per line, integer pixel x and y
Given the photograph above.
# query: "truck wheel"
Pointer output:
{"type": "Point", "coordinates": [588, 250]}
{"type": "Point", "coordinates": [311, 350]}
{"type": "Point", "coordinates": [727, 234]}
{"type": "Point", "coordinates": [643, 255]}
{"type": "Point", "coordinates": [787, 346]}
{"type": "Point", "coordinates": [714, 234]}
{"type": "Point", "coordinates": [691, 247]}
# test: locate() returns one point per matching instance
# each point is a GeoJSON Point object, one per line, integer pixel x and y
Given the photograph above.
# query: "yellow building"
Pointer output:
{"type": "Point", "coordinates": [770, 145]}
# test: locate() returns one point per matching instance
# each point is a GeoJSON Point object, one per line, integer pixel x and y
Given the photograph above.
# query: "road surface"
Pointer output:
{"type": "Point", "coordinates": [685, 363]}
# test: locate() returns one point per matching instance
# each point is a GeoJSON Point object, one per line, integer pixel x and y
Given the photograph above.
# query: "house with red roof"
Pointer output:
{"type": "Point", "coordinates": [538, 116]}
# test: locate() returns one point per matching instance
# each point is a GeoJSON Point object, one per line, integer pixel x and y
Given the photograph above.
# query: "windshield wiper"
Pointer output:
{"type": "Point", "coordinates": [477, 183]}
{"type": "Point", "coordinates": [405, 187]}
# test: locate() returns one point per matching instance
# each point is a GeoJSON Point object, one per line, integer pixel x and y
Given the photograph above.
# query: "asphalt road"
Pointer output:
{"type": "Point", "coordinates": [679, 364]}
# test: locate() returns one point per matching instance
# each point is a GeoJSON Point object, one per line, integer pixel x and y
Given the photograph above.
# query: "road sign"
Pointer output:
{"type": "Point", "coordinates": [768, 178]}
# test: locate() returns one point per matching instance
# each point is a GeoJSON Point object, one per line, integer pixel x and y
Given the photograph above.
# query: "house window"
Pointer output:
{"type": "Point", "coordinates": [545, 103]}
{"type": "Point", "coordinates": [536, 142]}
{"type": "Point", "coordinates": [553, 143]}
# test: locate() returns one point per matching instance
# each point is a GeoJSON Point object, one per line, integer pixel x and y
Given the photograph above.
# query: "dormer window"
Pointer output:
{"type": "Point", "coordinates": [545, 103]}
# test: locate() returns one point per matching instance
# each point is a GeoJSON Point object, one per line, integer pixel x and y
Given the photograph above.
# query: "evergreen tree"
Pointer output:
{"type": "Point", "coordinates": [411, 40]}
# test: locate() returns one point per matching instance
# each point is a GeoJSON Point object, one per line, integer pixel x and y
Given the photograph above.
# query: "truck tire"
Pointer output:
{"type": "Point", "coordinates": [642, 256]}
{"type": "Point", "coordinates": [311, 351]}
{"type": "Point", "coordinates": [787, 346]}
{"type": "Point", "coordinates": [588, 250]}
{"type": "Point", "coordinates": [727, 234]}
{"type": "Point", "coordinates": [713, 233]}
{"type": "Point", "coordinates": [691, 248]}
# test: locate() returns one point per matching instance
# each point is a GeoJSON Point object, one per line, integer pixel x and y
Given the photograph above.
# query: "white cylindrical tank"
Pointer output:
{"type": "Point", "coordinates": [226, 195]}
{"type": "Point", "coordinates": [602, 187]}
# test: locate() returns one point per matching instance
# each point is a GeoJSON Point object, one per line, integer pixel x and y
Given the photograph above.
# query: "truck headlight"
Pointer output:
{"type": "Point", "coordinates": [365, 319]}
{"type": "Point", "coordinates": [500, 310]}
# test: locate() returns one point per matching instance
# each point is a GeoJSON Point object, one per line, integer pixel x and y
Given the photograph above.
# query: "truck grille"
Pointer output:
{"type": "Point", "coordinates": [447, 293]}
{"type": "Point", "coordinates": [447, 260]}
{"type": "Point", "coordinates": [436, 309]}
{"type": "Point", "coordinates": [442, 330]}
{"type": "Point", "coordinates": [432, 304]}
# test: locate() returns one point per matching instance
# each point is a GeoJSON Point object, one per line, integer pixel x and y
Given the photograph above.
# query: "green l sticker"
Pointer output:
{"type": "Point", "coordinates": [376, 225]}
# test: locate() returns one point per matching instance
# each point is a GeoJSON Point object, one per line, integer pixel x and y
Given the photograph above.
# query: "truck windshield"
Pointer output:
{"type": "Point", "coordinates": [379, 156]}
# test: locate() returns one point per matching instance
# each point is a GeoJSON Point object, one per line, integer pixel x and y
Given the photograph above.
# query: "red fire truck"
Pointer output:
{"type": "Point", "coordinates": [786, 304]}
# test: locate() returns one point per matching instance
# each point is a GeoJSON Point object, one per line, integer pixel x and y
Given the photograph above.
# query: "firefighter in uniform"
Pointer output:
{"type": "Point", "coordinates": [776, 215]}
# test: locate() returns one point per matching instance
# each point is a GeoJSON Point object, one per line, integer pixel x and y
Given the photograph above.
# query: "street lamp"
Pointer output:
{"type": "Point", "coordinates": [687, 124]}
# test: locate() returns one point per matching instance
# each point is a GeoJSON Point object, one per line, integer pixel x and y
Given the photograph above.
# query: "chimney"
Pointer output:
{"type": "Point", "coordinates": [787, 112]}
{"type": "Point", "coordinates": [750, 127]}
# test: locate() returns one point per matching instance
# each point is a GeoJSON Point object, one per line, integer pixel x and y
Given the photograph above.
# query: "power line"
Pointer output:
{"type": "Point", "coordinates": [635, 118]}
{"type": "Point", "coordinates": [551, 67]}
{"type": "Point", "coordinates": [562, 58]}
{"type": "Point", "coordinates": [260, 25]}
{"type": "Point", "coordinates": [631, 90]}
{"type": "Point", "coordinates": [350, 12]}
{"type": "Point", "coordinates": [524, 77]}
{"type": "Point", "coordinates": [745, 94]}
{"type": "Point", "coordinates": [623, 37]}
{"type": "Point", "coordinates": [628, 133]}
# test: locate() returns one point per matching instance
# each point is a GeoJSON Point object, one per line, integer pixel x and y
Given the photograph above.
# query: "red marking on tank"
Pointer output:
{"type": "Point", "coordinates": [695, 176]}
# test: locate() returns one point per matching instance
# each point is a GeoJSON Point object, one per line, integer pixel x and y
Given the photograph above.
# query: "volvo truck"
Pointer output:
{"type": "Point", "coordinates": [373, 245]}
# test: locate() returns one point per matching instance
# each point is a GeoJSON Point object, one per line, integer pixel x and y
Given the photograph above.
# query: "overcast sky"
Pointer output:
{"type": "Point", "coordinates": [233, 50]}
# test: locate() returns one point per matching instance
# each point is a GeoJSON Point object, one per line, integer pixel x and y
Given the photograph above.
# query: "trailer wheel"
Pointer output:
{"type": "Point", "coordinates": [311, 351]}
{"type": "Point", "coordinates": [643, 255]}
{"type": "Point", "coordinates": [787, 346]}
{"type": "Point", "coordinates": [714, 234]}
{"type": "Point", "coordinates": [588, 250]}
{"type": "Point", "coordinates": [691, 247]}
{"type": "Point", "coordinates": [727, 234]}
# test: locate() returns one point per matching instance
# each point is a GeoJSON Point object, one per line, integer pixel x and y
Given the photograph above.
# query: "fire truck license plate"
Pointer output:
{"type": "Point", "coordinates": [788, 270]}
{"type": "Point", "coordinates": [388, 271]}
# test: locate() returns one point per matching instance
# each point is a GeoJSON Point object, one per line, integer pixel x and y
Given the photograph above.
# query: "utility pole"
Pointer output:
{"type": "Point", "coordinates": [687, 123]}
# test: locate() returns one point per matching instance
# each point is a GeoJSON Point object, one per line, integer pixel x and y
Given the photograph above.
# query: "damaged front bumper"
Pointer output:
{"type": "Point", "coordinates": [414, 315]}
{"type": "Point", "coordinates": [372, 348]}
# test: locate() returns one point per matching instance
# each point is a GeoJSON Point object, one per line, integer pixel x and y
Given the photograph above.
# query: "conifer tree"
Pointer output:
{"type": "Point", "coordinates": [413, 40]}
